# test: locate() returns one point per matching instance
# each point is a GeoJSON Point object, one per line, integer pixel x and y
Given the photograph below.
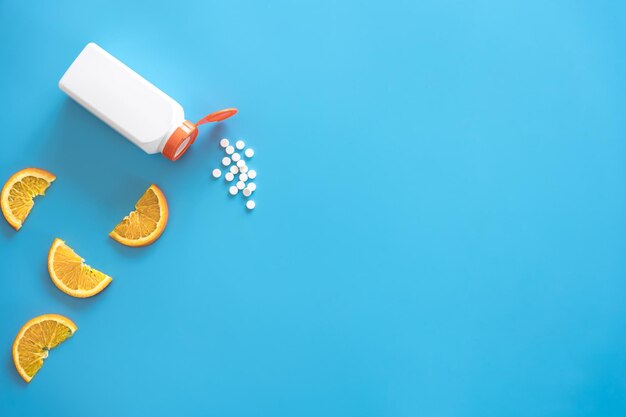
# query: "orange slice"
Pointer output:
{"type": "Point", "coordinates": [70, 274]}
{"type": "Point", "coordinates": [20, 190]}
{"type": "Point", "coordinates": [144, 225]}
{"type": "Point", "coordinates": [36, 338]}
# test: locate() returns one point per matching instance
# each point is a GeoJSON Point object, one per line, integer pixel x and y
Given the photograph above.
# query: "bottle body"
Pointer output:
{"type": "Point", "coordinates": [123, 99]}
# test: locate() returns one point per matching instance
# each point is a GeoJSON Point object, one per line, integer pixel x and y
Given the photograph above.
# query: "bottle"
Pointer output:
{"type": "Point", "coordinates": [131, 105]}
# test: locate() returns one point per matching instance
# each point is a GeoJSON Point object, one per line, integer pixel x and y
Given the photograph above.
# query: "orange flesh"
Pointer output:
{"type": "Point", "coordinates": [70, 269]}
{"type": "Point", "coordinates": [146, 223]}
{"type": "Point", "coordinates": [31, 349]}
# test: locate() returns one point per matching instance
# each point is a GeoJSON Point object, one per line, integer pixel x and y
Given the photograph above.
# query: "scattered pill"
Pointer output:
{"type": "Point", "coordinates": [237, 170]}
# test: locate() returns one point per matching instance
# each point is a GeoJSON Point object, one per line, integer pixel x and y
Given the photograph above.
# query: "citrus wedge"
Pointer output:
{"type": "Point", "coordinates": [19, 191]}
{"type": "Point", "coordinates": [144, 225]}
{"type": "Point", "coordinates": [70, 274]}
{"type": "Point", "coordinates": [36, 338]}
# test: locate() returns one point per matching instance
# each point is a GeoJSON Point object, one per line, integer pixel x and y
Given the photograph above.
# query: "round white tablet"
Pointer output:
{"type": "Point", "coordinates": [217, 173]}
{"type": "Point", "coordinates": [241, 185]}
{"type": "Point", "coordinates": [240, 144]}
{"type": "Point", "coordinates": [250, 204]}
{"type": "Point", "coordinates": [249, 152]}
{"type": "Point", "coordinates": [224, 143]}
{"type": "Point", "coordinates": [236, 157]}
{"type": "Point", "coordinates": [246, 192]}
{"type": "Point", "coordinates": [242, 177]}
{"type": "Point", "coordinates": [225, 161]}
{"type": "Point", "coordinates": [252, 186]}
{"type": "Point", "coordinates": [229, 176]}
{"type": "Point", "coordinates": [230, 149]}
{"type": "Point", "coordinates": [241, 163]}
{"type": "Point", "coordinates": [252, 174]}
{"type": "Point", "coordinates": [244, 169]}
{"type": "Point", "coordinates": [233, 190]}
{"type": "Point", "coordinates": [234, 170]}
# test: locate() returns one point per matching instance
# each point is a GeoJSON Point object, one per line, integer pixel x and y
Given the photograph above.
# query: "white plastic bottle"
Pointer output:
{"type": "Point", "coordinates": [130, 104]}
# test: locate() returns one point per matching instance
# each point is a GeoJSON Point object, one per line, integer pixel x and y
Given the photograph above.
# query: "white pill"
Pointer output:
{"type": "Point", "coordinates": [224, 143]}
{"type": "Point", "coordinates": [230, 149]}
{"type": "Point", "coordinates": [240, 144]}
{"type": "Point", "coordinates": [244, 169]}
{"type": "Point", "coordinates": [241, 163]}
{"type": "Point", "coordinates": [233, 190]}
{"type": "Point", "coordinates": [225, 161]}
{"type": "Point", "coordinates": [217, 173]}
{"type": "Point", "coordinates": [241, 185]}
{"type": "Point", "coordinates": [252, 186]}
{"type": "Point", "coordinates": [242, 177]}
{"type": "Point", "coordinates": [234, 170]}
{"type": "Point", "coordinates": [249, 152]}
{"type": "Point", "coordinates": [252, 174]}
{"type": "Point", "coordinates": [229, 176]}
{"type": "Point", "coordinates": [246, 192]}
{"type": "Point", "coordinates": [250, 204]}
{"type": "Point", "coordinates": [236, 157]}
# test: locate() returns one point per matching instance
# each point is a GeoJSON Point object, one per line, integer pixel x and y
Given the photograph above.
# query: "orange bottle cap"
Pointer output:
{"type": "Point", "coordinates": [186, 133]}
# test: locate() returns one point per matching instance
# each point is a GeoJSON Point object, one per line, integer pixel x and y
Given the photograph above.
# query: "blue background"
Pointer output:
{"type": "Point", "coordinates": [440, 226]}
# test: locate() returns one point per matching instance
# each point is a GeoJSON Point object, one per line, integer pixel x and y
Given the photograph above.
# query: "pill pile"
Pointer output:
{"type": "Point", "coordinates": [237, 167]}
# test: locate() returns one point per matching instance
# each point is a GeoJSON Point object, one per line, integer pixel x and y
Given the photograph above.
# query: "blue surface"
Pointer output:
{"type": "Point", "coordinates": [440, 226]}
